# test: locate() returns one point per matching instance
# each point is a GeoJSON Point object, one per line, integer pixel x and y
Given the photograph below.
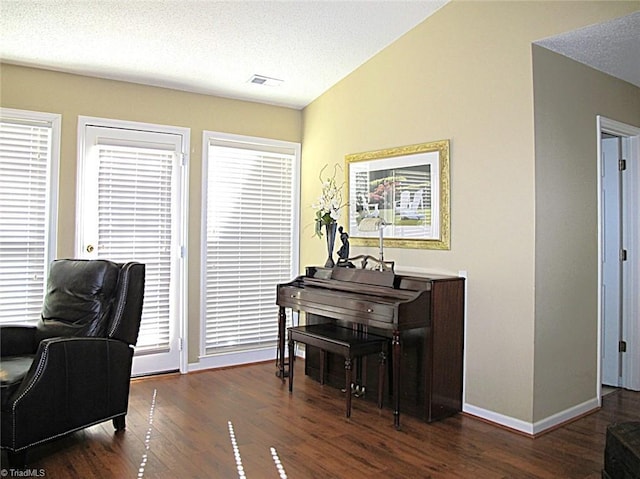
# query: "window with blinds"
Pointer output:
{"type": "Point", "coordinates": [249, 235]}
{"type": "Point", "coordinates": [135, 223]}
{"type": "Point", "coordinates": [29, 155]}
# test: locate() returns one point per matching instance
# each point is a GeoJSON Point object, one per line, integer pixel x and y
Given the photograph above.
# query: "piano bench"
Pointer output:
{"type": "Point", "coordinates": [346, 342]}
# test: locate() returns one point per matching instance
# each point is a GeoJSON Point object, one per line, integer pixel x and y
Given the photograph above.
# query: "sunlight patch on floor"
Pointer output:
{"type": "Point", "coordinates": [147, 438]}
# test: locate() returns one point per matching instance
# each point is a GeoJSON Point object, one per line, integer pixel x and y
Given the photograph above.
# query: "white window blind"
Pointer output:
{"type": "Point", "coordinates": [250, 247]}
{"type": "Point", "coordinates": [135, 223]}
{"type": "Point", "coordinates": [29, 144]}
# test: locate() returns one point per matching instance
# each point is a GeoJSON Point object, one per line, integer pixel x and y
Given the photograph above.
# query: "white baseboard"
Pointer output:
{"type": "Point", "coordinates": [501, 419]}
{"type": "Point", "coordinates": [233, 359]}
{"type": "Point", "coordinates": [566, 415]}
{"type": "Point", "coordinates": [537, 427]}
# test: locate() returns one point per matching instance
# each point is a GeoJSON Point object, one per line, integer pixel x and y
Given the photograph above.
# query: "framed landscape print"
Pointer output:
{"type": "Point", "coordinates": [407, 188]}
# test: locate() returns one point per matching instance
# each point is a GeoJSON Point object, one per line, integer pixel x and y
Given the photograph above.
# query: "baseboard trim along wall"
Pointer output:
{"type": "Point", "coordinates": [538, 427]}
{"type": "Point", "coordinates": [234, 359]}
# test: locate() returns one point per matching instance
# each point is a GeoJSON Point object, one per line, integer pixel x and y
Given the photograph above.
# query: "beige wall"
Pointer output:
{"type": "Point", "coordinates": [464, 74]}
{"type": "Point", "coordinates": [568, 97]}
{"type": "Point", "coordinates": [74, 95]}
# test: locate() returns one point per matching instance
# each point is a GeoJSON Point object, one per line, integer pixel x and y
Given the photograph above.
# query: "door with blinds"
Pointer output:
{"type": "Point", "coordinates": [130, 197]}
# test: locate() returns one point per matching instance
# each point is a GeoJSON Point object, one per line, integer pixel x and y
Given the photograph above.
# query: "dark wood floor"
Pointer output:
{"type": "Point", "coordinates": [187, 427]}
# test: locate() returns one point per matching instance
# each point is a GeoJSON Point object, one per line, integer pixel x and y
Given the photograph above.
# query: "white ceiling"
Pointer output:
{"type": "Point", "coordinates": [208, 46]}
{"type": "Point", "coordinates": [214, 47]}
{"type": "Point", "coordinates": [612, 47]}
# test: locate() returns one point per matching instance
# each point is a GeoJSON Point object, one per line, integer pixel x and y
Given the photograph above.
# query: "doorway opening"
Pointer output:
{"type": "Point", "coordinates": [619, 251]}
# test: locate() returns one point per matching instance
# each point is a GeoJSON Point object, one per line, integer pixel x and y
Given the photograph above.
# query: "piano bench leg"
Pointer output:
{"type": "Point", "coordinates": [381, 368]}
{"type": "Point", "coordinates": [348, 379]}
{"type": "Point", "coordinates": [323, 360]}
{"type": "Point", "coordinates": [291, 362]}
{"type": "Point", "coordinates": [359, 388]}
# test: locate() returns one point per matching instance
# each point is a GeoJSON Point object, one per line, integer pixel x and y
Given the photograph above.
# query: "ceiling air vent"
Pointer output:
{"type": "Point", "coordinates": [263, 80]}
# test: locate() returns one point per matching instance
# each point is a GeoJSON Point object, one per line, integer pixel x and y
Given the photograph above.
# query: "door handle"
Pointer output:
{"type": "Point", "coordinates": [90, 248]}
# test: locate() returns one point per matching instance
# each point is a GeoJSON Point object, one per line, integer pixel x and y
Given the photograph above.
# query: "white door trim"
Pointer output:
{"type": "Point", "coordinates": [182, 306]}
{"type": "Point", "coordinates": [631, 329]}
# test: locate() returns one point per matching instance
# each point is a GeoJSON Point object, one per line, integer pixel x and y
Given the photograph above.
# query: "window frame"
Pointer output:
{"type": "Point", "coordinates": [54, 120]}
{"type": "Point", "coordinates": [223, 359]}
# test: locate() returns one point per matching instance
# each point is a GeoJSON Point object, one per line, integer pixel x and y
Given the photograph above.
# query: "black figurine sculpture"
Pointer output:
{"type": "Point", "coordinates": [343, 252]}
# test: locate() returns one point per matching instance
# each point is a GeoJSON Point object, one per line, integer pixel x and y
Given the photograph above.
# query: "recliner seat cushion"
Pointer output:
{"type": "Point", "coordinates": [12, 370]}
{"type": "Point", "coordinates": [79, 298]}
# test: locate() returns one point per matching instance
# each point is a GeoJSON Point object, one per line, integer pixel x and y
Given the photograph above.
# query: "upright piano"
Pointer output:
{"type": "Point", "coordinates": [423, 317]}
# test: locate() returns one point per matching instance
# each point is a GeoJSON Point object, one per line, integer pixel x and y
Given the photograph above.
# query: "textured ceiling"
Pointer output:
{"type": "Point", "coordinates": [214, 47]}
{"type": "Point", "coordinates": [612, 47]}
{"type": "Point", "coordinates": [208, 46]}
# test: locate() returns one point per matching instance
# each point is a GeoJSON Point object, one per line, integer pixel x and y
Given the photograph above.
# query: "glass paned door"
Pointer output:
{"type": "Point", "coordinates": [130, 211]}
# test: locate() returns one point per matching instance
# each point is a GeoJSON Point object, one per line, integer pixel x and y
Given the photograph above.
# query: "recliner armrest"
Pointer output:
{"type": "Point", "coordinates": [72, 383]}
{"type": "Point", "coordinates": [84, 381]}
{"type": "Point", "coordinates": [88, 364]}
{"type": "Point", "coordinates": [17, 340]}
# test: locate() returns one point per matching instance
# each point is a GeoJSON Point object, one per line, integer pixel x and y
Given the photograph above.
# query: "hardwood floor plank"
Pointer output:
{"type": "Point", "coordinates": [188, 436]}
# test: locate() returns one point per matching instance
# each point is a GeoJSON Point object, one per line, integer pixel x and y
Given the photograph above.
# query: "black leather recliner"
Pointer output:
{"type": "Point", "coordinates": [72, 370]}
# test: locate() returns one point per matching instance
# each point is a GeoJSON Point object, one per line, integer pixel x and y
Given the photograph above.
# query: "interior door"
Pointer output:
{"type": "Point", "coordinates": [129, 208]}
{"type": "Point", "coordinates": [619, 196]}
{"type": "Point", "coordinates": [612, 288]}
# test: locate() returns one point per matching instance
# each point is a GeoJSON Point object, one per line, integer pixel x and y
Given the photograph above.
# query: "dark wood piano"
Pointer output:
{"type": "Point", "coordinates": [423, 317]}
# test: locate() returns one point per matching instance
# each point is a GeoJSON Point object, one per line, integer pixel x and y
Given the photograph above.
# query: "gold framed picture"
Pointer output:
{"type": "Point", "coordinates": [407, 188]}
